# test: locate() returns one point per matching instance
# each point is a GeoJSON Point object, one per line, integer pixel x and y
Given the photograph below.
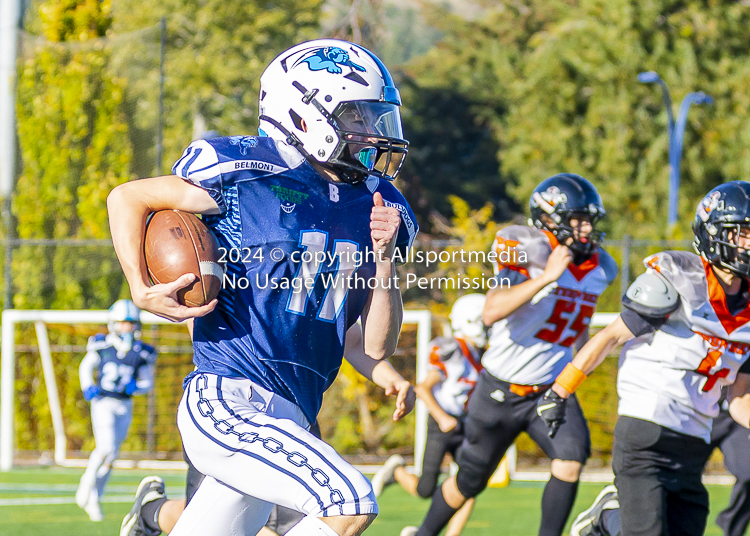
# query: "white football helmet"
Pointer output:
{"type": "Point", "coordinates": [124, 311]}
{"type": "Point", "coordinates": [336, 103]}
{"type": "Point", "coordinates": [466, 319]}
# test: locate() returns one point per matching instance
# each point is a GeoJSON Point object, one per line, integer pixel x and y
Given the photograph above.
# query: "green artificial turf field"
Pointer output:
{"type": "Point", "coordinates": [39, 502]}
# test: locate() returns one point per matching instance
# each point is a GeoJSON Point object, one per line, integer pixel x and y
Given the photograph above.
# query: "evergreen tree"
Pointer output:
{"type": "Point", "coordinates": [216, 52]}
{"type": "Point", "coordinates": [75, 148]}
{"type": "Point", "coordinates": [74, 145]}
{"type": "Point", "coordinates": [556, 83]}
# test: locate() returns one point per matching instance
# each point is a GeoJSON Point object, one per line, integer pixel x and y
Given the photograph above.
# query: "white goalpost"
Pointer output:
{"type": "Point", "coordinates": [423, 320]}
{"type": "Point", "coordinates": [10, 319]}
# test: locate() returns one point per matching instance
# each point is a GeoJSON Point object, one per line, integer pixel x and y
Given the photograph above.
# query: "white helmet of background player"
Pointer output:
{"type": "Point", "coordinates": [337, 104]}
{"type": "Point", "coordinates": [124, 311]}
{"type": "Point", "coordinates": [466, 319]}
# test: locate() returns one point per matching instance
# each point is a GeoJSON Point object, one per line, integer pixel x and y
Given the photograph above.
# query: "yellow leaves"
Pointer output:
{"type": "Point", "coordinates": [355, 385]}
{"type": "Point", "coordinates": [75, 20]}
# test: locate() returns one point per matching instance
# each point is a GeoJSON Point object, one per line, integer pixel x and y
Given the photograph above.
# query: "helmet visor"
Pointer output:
{"type": "Point", "coordinates": [377, 119]}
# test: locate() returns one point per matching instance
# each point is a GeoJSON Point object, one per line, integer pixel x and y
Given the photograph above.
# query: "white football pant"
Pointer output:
{"type": "Point", "coordinates": [110, 419]}
{"type": "Point", "coordinates": [255, 450]}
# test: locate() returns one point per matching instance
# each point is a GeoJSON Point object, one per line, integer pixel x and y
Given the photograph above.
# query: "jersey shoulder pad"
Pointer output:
{"type": "Point", "coordinates": [97, 342]}
{"type": "Point", "coordinates": [520, 248]}
{"type": "Point", "coordinates": [198, 163]}
{"type": "Point", "coordinates": [684, 270]}
{"type": "Point", "coordinates": [608, 264]}
{"type": "Point", "coordinates": [651, 295]}
{"type": "Point", "coordinates": [219, 163]}
{"type": "Point", "coordinates": [243, 158]}
{"type": "Point", "coordinates": [442, 348]}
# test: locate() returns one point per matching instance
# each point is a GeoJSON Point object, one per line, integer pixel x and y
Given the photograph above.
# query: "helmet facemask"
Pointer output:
{"type": "Point", "coordinates": [124, 312]}
{"type": "Point", "coordinates": [475, 332]}
{"type": "Point", "coordinates": [582, 247]}
{"type": "Point", "coordinates": [725, 243]}
{"type": "Point", "coordinates": [370, 138]}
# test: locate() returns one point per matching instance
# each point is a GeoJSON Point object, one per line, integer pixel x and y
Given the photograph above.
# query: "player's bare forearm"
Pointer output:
{"type": "Point", "coordinates": [597, 349]}
{"type": "Point", "coordinates": [354, 352]}
{"type": "Point", "coordinates": [502, 302]}
{"type": "Point", "coordinates": [381, 373]}
{"type": "Point", "coordinates": [129, 206]}
{"type": "Point", "coordinates": [385, 376]}
{"type": "Point", "coordinates": [383, 315]}
{"type": "Point", "coordinates": [738, 395]}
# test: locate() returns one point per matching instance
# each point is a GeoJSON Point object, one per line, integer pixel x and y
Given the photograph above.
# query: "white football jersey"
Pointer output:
{"type": "Point", "coordinates": [457, 361]}
{"type": "Point", "coordinates": [673, 377]}
{"type": "Point", "coordinates": [533, 345]}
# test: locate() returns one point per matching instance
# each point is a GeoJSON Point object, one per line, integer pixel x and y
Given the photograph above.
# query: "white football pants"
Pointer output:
{"type": "Point", "coordinates": [110, 419]}
{"type": "Point", "coordinates": [255, 450]}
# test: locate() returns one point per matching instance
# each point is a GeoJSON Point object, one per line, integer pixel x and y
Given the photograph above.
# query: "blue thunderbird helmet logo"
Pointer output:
{"type": "Point", "coordinates": [329, 58]}
{"type": "Point", "coordinates": [245, 143]}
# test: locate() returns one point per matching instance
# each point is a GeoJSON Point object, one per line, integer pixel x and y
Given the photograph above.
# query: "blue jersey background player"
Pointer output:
{"type": "Point", "coordinates": [309, 224]}
{"type": "Point", "coordinates": [117, 366]}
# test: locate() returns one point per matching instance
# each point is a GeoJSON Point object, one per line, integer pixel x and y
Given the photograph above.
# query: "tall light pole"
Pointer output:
{"type": "Point", "coordinates": [11, 13]}
{"type": "Point", "coordinates": [676, 132]}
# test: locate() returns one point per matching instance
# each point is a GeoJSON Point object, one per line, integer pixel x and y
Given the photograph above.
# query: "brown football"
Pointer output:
{"type": "Point", "coordinates": [178, 243]}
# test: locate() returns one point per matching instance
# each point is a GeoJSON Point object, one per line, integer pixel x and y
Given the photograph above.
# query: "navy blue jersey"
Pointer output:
{"type": "Point", "coordinates": [114, 373]}
{"type": "Point", "coordinates": [295, 250]}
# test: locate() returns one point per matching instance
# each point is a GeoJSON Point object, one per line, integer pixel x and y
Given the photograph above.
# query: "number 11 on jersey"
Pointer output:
{"type": "Point", "coordinates": [314, 258]}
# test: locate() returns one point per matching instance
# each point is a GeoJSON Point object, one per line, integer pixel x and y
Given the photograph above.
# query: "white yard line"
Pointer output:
{"type": "Point", "coordinates": [126, 494]}
{"type": "Point", "coordinates": [38, 501]}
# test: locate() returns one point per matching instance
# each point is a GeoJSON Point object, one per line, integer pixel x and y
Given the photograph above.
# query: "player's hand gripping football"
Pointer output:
{"type": "Point", "coordinates": [405, 398]}
{"type": "Point", "coordinates": [384, 222]}
{"type": "Point", "coordinates": [161, 299]}
{"type": "Point", "coordinates": [551, 408]}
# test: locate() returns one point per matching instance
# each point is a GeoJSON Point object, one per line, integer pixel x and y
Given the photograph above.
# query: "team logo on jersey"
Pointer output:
{"type": "Point", "coordinates": [329, 59]}
{"type": "Point", "coordinates": [549, 199]}
{"type": "Point", "coordinates": [288, 197]}
{"type": "Point", "coordinates": [244, 143]}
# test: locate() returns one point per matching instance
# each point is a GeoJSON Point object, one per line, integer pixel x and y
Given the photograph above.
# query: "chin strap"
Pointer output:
{"type": "Point", "coordinates": [350, 176]}
{"type": "Point", "coordinates": [291, 139]}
